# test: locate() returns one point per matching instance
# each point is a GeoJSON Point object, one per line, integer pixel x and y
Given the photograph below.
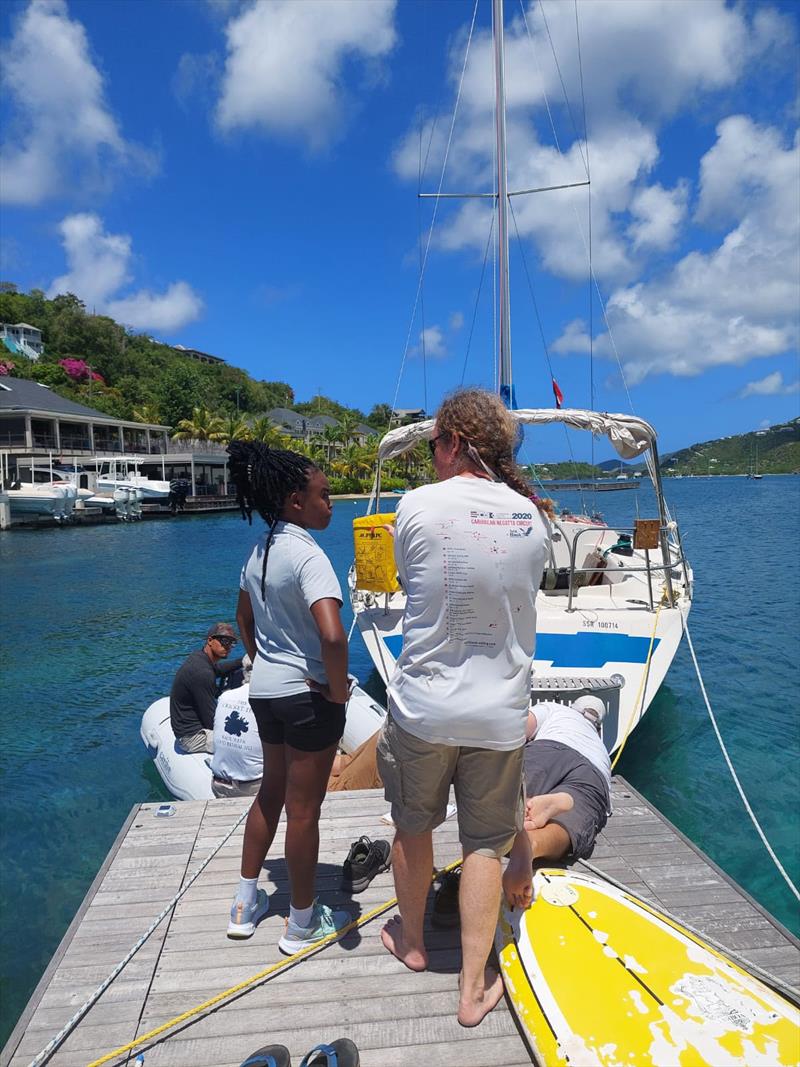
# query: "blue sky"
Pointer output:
{"type": "Point", "coordinates": [242, 178]}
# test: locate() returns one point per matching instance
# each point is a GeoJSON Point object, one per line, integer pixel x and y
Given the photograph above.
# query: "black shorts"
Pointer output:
{"type": "Point", "coordinates": [306, 721]}
{"type": "Point", "coordinates": [551, 767]}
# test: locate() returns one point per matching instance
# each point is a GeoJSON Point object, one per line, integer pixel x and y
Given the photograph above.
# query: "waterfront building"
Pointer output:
{"type": "Point", "coordinates": [38, 425]}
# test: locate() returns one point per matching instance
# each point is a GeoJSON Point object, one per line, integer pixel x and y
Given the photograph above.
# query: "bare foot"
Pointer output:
{"type": "Point", "coordinates": [393, 937]}
{"type": "Point", "coordinates": [540, 810]}
{"type": "Point", "coordinates": [473, 1008]}
{"type": "Point", "coordinates": [518, 882]}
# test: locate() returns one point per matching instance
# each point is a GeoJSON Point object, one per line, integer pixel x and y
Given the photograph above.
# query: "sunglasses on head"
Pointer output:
{"type": "Point", "coordinates": [432, 443]}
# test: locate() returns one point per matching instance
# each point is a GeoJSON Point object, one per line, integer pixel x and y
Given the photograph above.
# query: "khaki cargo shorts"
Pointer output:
{"type": "Point", "coordinates": [417, 776]}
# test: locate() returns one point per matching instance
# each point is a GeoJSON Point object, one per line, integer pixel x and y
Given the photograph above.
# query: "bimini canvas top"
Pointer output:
{"type": "Point", "coordinates": [629, 436]}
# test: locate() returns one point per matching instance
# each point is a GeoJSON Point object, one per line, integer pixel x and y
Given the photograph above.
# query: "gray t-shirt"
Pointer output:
{"type": "Point", "coordinates": [298, 575]}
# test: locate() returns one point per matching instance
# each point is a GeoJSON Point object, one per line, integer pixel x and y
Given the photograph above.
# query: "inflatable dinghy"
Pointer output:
{"type": "Point", "coordinates": [187, 775]}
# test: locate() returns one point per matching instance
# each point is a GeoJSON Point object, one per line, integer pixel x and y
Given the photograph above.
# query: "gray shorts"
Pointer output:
{"type": "Point", "coordinates": [551, 767]}
{"type": "Point", "coordinates": [417, 776]}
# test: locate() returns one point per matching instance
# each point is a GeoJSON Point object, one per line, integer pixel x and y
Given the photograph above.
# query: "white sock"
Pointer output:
{"type": "Point", "coordinates": [301, 916]}
{"type": "Point", "coordinates": [247, 892]}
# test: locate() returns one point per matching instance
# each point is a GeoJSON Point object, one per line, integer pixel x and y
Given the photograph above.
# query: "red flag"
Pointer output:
{"type": "Point", "coordinates": [557, 394]}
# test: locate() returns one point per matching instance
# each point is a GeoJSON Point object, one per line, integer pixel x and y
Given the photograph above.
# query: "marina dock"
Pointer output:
{"type": "Point", "coordinates": [353, 988]}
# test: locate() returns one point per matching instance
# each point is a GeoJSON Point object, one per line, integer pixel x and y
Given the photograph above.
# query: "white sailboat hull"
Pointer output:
{"type": "Point", "coordinates": [611, 629]}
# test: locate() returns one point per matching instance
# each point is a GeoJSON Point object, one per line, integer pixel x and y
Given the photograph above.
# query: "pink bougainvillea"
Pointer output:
{"type": "Point", "coordinates": [6, 367]}
{"type": "Point", "coordinates": [79, 370]}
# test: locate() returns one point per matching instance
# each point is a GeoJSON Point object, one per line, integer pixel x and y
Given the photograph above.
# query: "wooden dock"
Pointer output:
{"type": "Point", "coordinates": [353, 988]}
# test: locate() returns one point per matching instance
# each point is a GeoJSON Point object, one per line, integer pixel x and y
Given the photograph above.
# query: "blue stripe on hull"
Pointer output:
{"type": "Point", "coordinates": [575, 650]}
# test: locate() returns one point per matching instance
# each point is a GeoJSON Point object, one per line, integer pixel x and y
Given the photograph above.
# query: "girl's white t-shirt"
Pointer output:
{"type": "Point", "coordinates": [298, 575]}
{"type": "Point", "coordinates": [470, 555]}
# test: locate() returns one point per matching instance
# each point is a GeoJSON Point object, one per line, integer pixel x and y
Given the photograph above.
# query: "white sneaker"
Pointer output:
{"type": "Point", "coordinates": [324, 922]}
{"type": "Point", "coordinates": [246, 917]}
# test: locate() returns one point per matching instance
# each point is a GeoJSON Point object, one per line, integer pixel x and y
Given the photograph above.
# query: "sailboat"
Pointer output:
{"type": "Point", "coordinates": [753, 472]}
{"type": "Point", "coordinates": [613, 602]}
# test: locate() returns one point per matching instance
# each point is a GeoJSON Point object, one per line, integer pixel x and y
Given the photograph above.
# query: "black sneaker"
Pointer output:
{"type": "Point", "coordinates": [444, 913]}
{"type": "Point", "coordinates": [364, 860]}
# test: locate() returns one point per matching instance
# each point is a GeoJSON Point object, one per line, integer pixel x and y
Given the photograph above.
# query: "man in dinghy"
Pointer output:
{"type": "Point", "coordinates": [470, 551]}
{"type": "Point", "coordinates": [568, 781]}
{"type": "Point", "coordinates": [193, 697]}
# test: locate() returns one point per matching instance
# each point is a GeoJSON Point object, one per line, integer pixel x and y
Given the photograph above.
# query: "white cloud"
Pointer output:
{"type": "Point", "coordinates": [62, 134]}
{"type": "Point", "coordinates": [284, 69]}
{"type": "Point", "coordinates": [456, 321]}
{"type": "Point", "coordinates": [658, 214]}
{"type": "Point", "coordinates": [737, 301]}
{"type": "Point", "coordinates": [99, 267]}
{"type": "Point", "coordinates": [643, 61]}
{"type": "Point", "coordinates": [431, 343]}
{"type": "Point", "coordinates": [772, 385]}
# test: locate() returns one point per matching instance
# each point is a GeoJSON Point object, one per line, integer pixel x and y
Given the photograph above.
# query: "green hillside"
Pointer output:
{"type": "Point", "coordinates": [130, 376]}
{"type": "Point", "coordinates": [777, 450]}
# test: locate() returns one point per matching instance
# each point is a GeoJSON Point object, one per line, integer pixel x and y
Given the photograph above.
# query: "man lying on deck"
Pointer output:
{"type": "Point", "coordinates": [568, 781]}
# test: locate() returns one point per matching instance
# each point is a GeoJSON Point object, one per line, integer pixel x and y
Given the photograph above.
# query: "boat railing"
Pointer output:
{"type": "Point", "coordinates": [676, 560]}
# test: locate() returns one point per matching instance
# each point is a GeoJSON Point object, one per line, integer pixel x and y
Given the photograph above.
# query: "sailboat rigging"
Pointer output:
{"type": "Point", "coordinates": [610, 614]}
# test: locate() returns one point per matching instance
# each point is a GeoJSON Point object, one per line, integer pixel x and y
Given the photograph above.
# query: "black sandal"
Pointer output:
{"type": "Point", "coordinates": [339, 1053]}
{"type": "Point", "coordinates": [269, 1056]}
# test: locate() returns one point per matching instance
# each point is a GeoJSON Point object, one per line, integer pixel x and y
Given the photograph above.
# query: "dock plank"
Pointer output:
{"type": "Point", "coordinates": [353, 987]}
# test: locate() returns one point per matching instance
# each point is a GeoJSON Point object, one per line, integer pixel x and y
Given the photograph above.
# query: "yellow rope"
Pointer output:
{"type": "Point", "coordinates": [645, 675]}
{"type": "Point", "coordinates": [259, 977]}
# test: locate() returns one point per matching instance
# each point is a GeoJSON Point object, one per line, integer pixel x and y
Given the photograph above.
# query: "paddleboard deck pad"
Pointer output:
{"type": "Point", "coordinates": [597, 977]}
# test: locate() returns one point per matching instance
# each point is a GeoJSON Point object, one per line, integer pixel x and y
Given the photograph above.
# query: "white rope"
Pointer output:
{"type": "Point", "coordinates": [435, 210]}
{"type": "Point", "coordinates": [734, 775]}
{"type": "Point", "coordinates": [49, 1049]}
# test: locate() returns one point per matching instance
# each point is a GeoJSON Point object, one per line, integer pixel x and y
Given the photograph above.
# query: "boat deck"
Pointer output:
{"type": "Point", "coordinates": [353, 988]}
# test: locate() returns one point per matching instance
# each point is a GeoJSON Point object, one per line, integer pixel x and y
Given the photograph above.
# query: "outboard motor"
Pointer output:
{"type": "Point", "coordinates": [135, 504]}
{"type": "Point", "coordinates": [178, 491]}
{"type": "Point", "coordinates": [122, 504]}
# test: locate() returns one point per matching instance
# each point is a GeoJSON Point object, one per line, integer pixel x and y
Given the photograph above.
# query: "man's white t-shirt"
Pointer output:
{"type": "Point", "coordinates": [238, 755]}
{"type": "Point", "coordinates": [298, 575]}
{"type": "Point", "coordinates": [470, 555]}
{"type": "Point", "coordinates": [560, 722]}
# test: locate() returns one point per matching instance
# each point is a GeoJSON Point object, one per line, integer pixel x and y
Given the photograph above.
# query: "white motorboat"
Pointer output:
{"type": "Point", "coordinates": [123, 473]}
{"type": "Point", "coordinates": [40, 498]}
{"type": "Point", "coordinates": [614, 600]}
{"type": "Point", "coordinates": [187, 775]}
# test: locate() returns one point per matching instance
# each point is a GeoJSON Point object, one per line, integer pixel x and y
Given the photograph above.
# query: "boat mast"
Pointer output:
{"type": "Point", "coordinates": [505, 383]}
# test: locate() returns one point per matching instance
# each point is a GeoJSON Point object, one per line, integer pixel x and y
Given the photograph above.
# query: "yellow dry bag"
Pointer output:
{"type": "Point", "coordinates": [374, 552]}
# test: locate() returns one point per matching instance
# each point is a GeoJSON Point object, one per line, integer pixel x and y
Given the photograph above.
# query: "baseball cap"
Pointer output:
{"type": "Point", "coordinates": [222, 629]}
{"type": "Point", "coordinates": [591, 708]}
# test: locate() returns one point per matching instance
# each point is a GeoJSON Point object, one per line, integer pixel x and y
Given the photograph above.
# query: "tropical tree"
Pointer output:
{"type": "Point", "coordinates": [202, 426]}
{"type": "Point", "coordinates": [148, 413]}
{"type": "Point", "coordinates": [346, 427]}
{"type": "Point", "coordinates": [263, 429]}
{"type": "Point", "coordinates": [234, 428]}
{"type": "Point", "coordinates": [331, 437]}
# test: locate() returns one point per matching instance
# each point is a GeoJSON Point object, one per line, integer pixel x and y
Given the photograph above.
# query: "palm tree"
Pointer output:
{"type": "Point", "coordinates": [234, 428]}
{"type": "Point", "coordinates": [346, 427]}
{"type": "Point", "coordinates": [332, 437]}
{"type": "Point", "coordinates": [202, 426]}
{"type": "Point", "coordinates": [148, 413]}
{"type": "Point", "coordinates": [263, 429]}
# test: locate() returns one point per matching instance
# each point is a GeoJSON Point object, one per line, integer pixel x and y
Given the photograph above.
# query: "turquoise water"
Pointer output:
{"type": "Point", "coordinates": [95, 622]}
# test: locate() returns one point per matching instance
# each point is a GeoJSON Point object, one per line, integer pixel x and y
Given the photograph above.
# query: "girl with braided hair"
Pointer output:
{"type": "Point", "coordinates": [289, 618]}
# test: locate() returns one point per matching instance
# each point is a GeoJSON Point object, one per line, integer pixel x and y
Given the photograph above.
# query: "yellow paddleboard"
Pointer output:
{"type": "Point", "coordinates": [596, 977]}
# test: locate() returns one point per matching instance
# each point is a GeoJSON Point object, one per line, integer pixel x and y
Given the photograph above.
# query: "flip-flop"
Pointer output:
{"type": "Point", "coordinates": [269, 1056]}
{"type": "Point", "coordinates": [339, 1053]}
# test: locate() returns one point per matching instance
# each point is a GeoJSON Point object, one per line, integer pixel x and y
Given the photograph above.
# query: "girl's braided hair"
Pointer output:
{"type": "Point", "coordinates": [264, 477]}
